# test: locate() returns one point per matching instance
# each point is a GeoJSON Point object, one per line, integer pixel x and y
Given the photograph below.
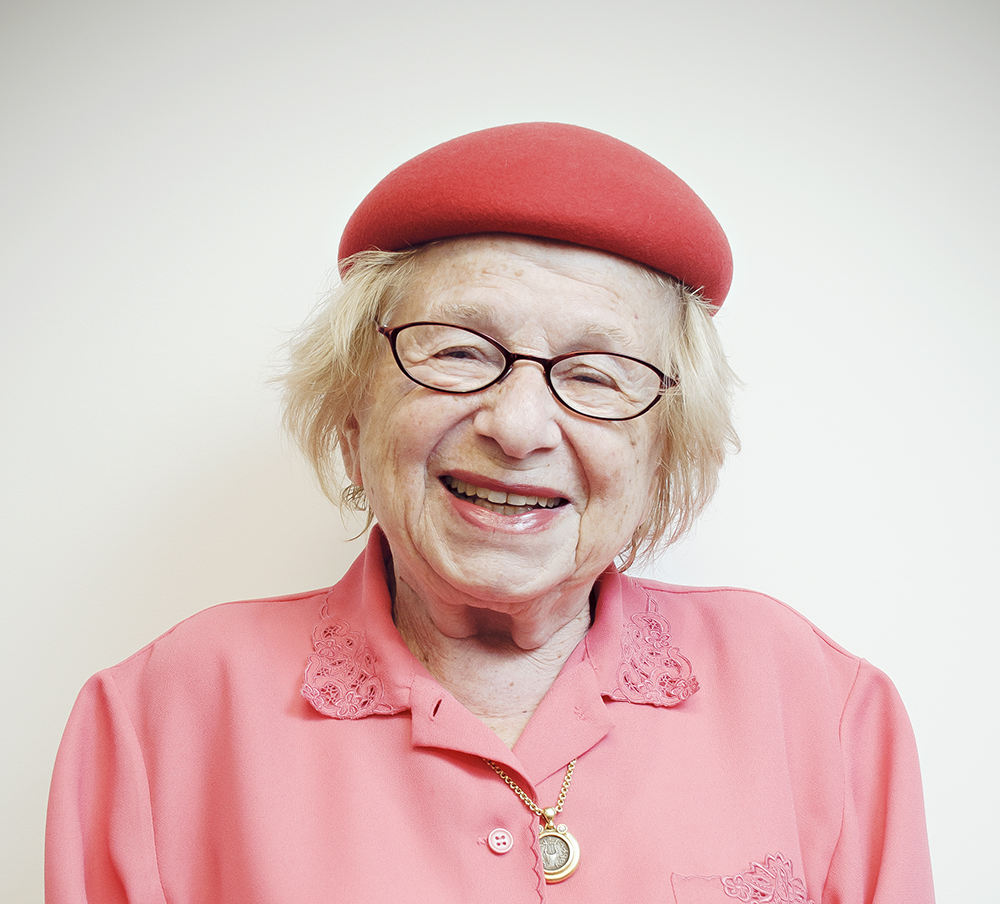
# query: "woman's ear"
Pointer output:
{"type": "Point", "coordinates": [350, 450]}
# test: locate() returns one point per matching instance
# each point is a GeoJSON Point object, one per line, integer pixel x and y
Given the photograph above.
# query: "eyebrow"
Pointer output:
{"type": "Point", "coordinates": [595, 331]}
{"type": "Point", "coordinates": [461, 310]}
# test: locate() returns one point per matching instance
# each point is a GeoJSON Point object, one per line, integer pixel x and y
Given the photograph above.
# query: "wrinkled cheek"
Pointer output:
{"type": "Point", "coordinates": [611, 525]}
{"type": "Point", "coordinates": [646, 473]}
{"type": "Point", "coordinates": [379, 473]}
{"type": "Point", "coordinates": [636, 503]}
{"type": "Point", "coordinates": [648, 498]}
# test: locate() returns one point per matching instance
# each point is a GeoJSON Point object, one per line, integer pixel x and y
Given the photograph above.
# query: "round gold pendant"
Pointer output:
{"type": "Point", "coordinates": [560, 852]}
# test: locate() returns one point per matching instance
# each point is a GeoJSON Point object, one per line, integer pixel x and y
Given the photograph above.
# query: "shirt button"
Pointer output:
{"type": "Point", "coordinates": [500, 841]}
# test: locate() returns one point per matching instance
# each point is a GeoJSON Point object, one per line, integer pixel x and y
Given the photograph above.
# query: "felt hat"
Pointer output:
{"type": "Point", "coordinates": [549, 180]}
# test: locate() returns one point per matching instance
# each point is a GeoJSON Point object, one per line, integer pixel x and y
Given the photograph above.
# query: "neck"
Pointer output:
{"type": "Point", "coordinates": [497, 669]}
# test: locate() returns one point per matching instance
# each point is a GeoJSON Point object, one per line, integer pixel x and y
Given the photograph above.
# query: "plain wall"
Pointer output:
{"type": "Point", "coordinates": [174, 181]}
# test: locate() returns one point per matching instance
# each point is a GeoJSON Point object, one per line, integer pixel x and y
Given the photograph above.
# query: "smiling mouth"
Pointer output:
{"type": "Point", "coordinates": [497, 500]}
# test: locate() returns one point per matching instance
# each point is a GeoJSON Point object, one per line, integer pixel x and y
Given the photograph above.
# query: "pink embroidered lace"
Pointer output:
{"type": "Point", "coordinates": [770, 882]}
{"type": "Point", "coordinates": [341, 678]}
{"type": "Point", "coordinates": [340, 675]}
{"type": "Point", "coordinates": [652, 671]}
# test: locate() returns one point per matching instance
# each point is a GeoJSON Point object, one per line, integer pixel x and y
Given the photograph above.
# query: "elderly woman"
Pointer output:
{"type": "Point", "coordinates": [521, 378]}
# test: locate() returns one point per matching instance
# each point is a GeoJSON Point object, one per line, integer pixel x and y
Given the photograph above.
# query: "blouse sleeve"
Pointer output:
{"type": "Point", "coordinates": [99, 844]}
{"type": "Point", "coordinates": [882, 855]}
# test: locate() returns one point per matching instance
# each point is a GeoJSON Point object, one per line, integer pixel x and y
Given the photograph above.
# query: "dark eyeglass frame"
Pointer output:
{"type": "Point", "coordinates": [511, 358]}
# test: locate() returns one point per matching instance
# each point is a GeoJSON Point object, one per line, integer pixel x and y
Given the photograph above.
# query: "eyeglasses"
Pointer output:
{"type": "Point", "coordinates": [602, 385]}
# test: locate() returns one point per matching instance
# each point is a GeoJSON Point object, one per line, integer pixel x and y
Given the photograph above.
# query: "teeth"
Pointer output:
{"type": "Point", "coordinates": [497, 500]}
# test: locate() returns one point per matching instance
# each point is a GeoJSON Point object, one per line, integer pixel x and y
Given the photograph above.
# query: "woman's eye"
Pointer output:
{"type": "Point", "coordinates": [593, 377]}
{"type": "Point", "coordinates": [460, 353]}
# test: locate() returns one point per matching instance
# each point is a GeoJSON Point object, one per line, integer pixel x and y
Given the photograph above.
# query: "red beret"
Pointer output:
{"type": "Point", "coordinates": [554, 181]}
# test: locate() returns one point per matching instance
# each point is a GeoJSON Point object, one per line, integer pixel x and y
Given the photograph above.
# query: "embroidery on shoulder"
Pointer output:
{"type": "Point", "coordinates": [770, 882]}
{"type": "Point", "coordinates": [341, 679]}
{"type": "Point", "coordinates": [651, 670]}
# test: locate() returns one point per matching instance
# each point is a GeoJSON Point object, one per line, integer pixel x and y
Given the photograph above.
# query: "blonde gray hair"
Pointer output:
{"type": "Point", "coordinates": [333, 359]}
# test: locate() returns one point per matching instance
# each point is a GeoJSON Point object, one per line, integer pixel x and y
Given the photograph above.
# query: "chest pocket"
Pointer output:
{"type": "Point", "coordinates": [769, 881]}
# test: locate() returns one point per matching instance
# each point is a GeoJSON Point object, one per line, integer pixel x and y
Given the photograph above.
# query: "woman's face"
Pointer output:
{"type": "Point", "coordinates": [411, 446]}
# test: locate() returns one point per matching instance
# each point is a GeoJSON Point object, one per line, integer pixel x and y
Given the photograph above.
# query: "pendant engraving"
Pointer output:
{"type": "Point", "coordinates": [560, 852]}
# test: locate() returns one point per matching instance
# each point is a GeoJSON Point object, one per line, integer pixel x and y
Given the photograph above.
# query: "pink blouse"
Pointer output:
{"type": "Point", "coordinates": [727, 752]}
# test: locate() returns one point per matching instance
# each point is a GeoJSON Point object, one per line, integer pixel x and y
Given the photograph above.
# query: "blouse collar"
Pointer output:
{"type": "Point", "coordinates": [361, 667]}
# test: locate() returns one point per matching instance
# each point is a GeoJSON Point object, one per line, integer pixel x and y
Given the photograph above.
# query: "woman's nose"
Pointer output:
{"type": "Point", "coordinates": [519, 413]}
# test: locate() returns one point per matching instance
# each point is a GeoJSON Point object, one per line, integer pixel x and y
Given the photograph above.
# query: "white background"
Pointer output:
{"type": "Point", "coordinates": [174, 180]}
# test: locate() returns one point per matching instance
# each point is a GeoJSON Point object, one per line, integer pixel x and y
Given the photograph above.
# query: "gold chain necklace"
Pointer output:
{"type": "Point", "coordinates": [560, 850]}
